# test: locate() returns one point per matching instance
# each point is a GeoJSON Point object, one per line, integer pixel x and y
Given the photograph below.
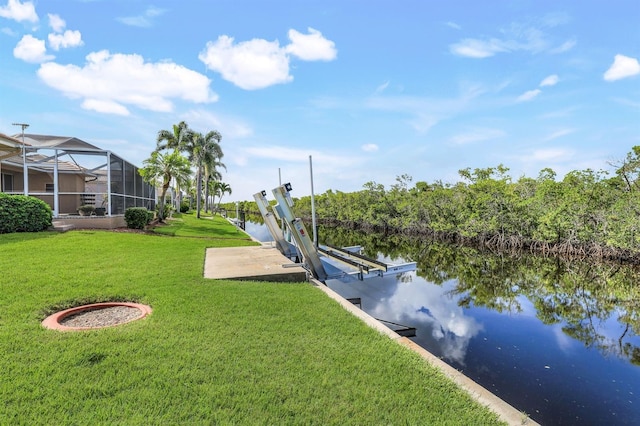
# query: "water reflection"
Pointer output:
{"type": "Point", "coordinates": [598, 304]}
{"type": "Point", "coordinates": [437, 314]}
{"type": "Point", "coordinates": [558, 340]}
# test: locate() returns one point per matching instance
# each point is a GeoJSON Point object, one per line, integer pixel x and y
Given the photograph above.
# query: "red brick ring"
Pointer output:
{"type": "Point", "coordinates": [96, 315]}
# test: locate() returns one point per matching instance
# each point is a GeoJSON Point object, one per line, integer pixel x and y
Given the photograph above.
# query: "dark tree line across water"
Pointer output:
{"type": "Point", "coordinates": [580, 294]}
{"type": "Point", "coordinates": [587, 213]}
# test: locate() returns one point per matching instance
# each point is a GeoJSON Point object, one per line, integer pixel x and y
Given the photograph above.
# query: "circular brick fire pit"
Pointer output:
{"type": "Point", "coordinates": [96, 315]}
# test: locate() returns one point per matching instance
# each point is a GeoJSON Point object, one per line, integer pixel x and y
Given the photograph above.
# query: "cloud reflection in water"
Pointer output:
{"type": "Point", "coordinates": [434, 311]}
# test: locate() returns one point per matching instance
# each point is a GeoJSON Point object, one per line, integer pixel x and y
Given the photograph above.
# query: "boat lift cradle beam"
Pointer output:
{"type": "Point", "coordinates": [284, 246]}
{"type": "Point", "coordinates": [363, 264]}
{"type": "Point", "coordinates": [298, 231]}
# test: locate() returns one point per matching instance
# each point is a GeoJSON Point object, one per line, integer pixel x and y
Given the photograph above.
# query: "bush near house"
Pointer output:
{"type": "Point", "coordinates": [137, 217]}
{"type": "Point", "coordinates": [21, 213]}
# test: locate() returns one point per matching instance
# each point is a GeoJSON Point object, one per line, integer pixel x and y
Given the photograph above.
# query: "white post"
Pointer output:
{"type": "Point", "coordinates": [25, 169]}
{"type": "Point", "coordinates": [285, 229]}
{"type": "Point", "coordinates": [108, 183]}
{"type": "Point", "coordinates": [313, 206]}
{"type": "Point", "coordinates": [56, 192]}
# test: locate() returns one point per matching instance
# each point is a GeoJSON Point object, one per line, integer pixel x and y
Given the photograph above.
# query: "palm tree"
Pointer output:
{"type": "Point", "coordinates": [212, 175]}
{"type": "Point", "coordinates": [162, 168]}
{"type": "Point", "coordinates": [202, 150]}
{"type": "Point", "coordinates": [173, 139]}
{"type": "Point", "coordinates": [219, 189]}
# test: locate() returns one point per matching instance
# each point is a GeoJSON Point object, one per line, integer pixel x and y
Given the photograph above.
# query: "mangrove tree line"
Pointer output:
{"type": "Point", "coordinates": [588, 212]}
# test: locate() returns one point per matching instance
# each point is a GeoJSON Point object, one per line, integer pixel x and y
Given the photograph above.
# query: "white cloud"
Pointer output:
{"type": "Point", "coordinates": [56, 23]}
{"type": "Point", "coordinates": [9, 32]}
{"type": "Point", "coordinates": [382, 87]}
{"type": "Point", "coordinates": [564, 47]}
{"type": "Point", "coordinates": [287, 154]}
{"type": "Point", "coordinates": [550, 155]}
{"type": "Point", "coordinates": [144, 20]}
{"type": "Point", "coordinates": [423, 122]}
{"type": "Point", "coordinates": [258, 63]}
{"type": "Point", "coordinates": [627, 102]}
{"type": "Point", "coordinates": [278, 153]}
{"type": "Point", "coordinates": [251, 65]}
{"type": "Point", "coordinates": [473, 48]}
{"type": "Point", "coordinates": [561, 113]}
{"type": "Point", "coordinates": [370, 147]}
{"type": "Point", "coordinates": [558, 134]}
{"type": "Point", "coordinates": [108, 82]}
{"type": "Point", "coordinates": [555, 19]}
{"type": "Point", "coordinates": [515, 37]}
{"type": "Point", "coordinates": [528, 95]}
{"type": "Point", "coordinates": [622, 67]}
{"type": "Point", "coordinates": [552, 80]}
{"type": "Point", "coordinates": [19, 11]}
{"type": "Point", "coordinates": [311, 47]}
{"type": "Point", "coordinates": [424, 113]}
{"type": "Point", "coordinates": [229, 127]}
{"type": "Point", "coordinates": [453, 25]}
{"type": "Point", "coordinates": [67, 39]}
{"type": "Point", "coordinates": [105, 106]}
{"type": "Point", "coordinates": [31, 49]}
{"type": "Point", "coordinates": [477, 135]}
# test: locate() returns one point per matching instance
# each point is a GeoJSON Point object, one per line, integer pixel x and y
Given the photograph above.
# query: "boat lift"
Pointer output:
{"type": "Point", "coordinates": [318, 260]}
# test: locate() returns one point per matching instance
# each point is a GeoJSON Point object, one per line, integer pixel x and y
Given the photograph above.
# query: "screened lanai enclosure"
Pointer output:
{"type": "Point", "coordinates": [68, 173]}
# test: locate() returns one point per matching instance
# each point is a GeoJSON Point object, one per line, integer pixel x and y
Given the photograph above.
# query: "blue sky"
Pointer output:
{"type": "Point", "coordinates": [370, 89]}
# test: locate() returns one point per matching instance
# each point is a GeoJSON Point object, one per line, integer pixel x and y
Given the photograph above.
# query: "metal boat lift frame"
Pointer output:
{"type": "Point", "coordinates": [363, 266]}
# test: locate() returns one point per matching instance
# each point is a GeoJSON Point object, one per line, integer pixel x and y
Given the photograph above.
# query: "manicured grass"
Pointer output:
{"type": "Point", "coordinates": [187, 225]}
{"type": "Point", "coordinates": [212, 352]}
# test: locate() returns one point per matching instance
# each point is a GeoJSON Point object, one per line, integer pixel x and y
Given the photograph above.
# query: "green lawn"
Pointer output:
{"type": "Point", "coordinates": [212, 352]}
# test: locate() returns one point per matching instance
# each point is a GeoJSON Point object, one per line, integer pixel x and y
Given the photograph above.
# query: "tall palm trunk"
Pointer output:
{"type": "Point", "coordinates": [199, 192]}
{"type": "Point", "coordinates": [207, 205]}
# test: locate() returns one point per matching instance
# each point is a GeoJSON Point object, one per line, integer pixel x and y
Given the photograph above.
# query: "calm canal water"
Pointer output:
{"type": "Point", "coordinates": [558, 340]}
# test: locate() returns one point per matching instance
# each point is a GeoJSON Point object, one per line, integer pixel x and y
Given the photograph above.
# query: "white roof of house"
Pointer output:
{"type": "Point", "coordinates": [9, 146]}
{"type": "Point", "coordinates": [59, 142]}
{"type": "Point", "coordinates": [11, 152]}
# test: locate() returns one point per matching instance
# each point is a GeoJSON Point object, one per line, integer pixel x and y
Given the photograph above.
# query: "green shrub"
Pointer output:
{"type": "Point", "coordinates": [137, 217]}
{"type": "Point", "coordinates": [86, 209]}
{"type": "Point", "coordinates": [168, 209]}
{"type": "Point", "coordinates": [21, 213]}
{"type": "Point", "coordinates": [184, 207]}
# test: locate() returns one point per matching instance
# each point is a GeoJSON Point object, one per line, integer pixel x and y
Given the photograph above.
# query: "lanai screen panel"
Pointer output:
{"type": "Point", "coordinates": [127, 187]}
{"type": "Point", "coordinates": [129, 180]}
{"type": "Point", "coordinates": [139, 186]}
{"type": "Point", "coordinates": [117, 185]}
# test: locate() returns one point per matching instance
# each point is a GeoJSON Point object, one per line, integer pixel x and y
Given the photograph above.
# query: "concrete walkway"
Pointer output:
{"type": "Point", "coordinates": [257, 263]}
